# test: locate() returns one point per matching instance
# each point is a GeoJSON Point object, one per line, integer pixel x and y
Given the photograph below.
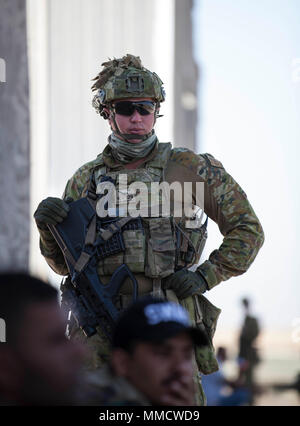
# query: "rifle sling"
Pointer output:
{"type": "Point", "coordinates": [90, 238]}
{"type": "Point", "coordinates": [106, 234]}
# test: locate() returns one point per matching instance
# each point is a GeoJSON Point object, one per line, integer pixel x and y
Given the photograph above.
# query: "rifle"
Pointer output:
{"type": "Point", "coordinates": [92, 303]}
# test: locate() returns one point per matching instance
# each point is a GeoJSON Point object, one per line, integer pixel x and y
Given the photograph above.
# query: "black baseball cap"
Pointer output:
{"type": "Point", "coordinates": [154, 320]}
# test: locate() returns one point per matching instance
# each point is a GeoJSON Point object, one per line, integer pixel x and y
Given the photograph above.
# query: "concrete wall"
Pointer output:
{"type": "Point", "coordinates": [185, 78]}
{"type": "Point", "coordinates": [14, 137]}
{"type": "Point", "coordinates": [68, 41]}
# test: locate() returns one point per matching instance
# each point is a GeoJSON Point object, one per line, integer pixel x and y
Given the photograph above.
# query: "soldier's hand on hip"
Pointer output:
{"type": "Point", "coordinates": [185, 283]}
{"type": "Point", "coordinates": [51, 211]}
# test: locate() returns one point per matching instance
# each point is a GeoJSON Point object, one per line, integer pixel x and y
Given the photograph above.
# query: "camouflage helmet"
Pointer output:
{"type": "Point", "coordinates": [125, 78]}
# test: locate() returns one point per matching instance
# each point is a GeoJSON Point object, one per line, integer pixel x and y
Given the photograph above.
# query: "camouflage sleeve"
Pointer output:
{"type": "Point", "coordinates": [226, 204]}
{"type": "Point", "coordinates": [75, 189]}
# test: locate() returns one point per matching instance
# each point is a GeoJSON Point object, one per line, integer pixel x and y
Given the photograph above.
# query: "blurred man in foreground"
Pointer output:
{"type": "Point", "coordinates": [152, 360]}
{"type": "Point", "coordinates": [38, 364]}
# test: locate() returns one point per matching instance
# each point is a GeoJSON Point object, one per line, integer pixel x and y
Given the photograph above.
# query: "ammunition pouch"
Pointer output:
{"type": "Point", "coordinates": [127, 245]}
{"type": "Point", "coordinates": [203, 314]}
{"type": "Point", "coordinates": [190, 243]}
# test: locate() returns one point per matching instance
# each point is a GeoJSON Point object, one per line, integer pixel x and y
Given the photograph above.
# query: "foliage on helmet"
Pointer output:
{"type": "Point", "coordinates": [125, 78]}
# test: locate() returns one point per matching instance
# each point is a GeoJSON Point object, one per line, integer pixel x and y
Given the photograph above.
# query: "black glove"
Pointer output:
{"type": "Point", "coordinates": [51, 211]}
{"type": "Point", "coordinates": [185, 283]}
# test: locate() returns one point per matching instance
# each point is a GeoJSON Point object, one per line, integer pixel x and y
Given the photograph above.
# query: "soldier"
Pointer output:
{"type": "Point", "coordinates": [151, 361]}
{"type": "Point", "coordinates": [161, 250]}
{"type": "Point", "coordinates": [247, 349]}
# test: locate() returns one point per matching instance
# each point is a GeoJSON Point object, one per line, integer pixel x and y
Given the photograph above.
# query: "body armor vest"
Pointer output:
{"type": "Point", "coordinates": [155, 246]}
{"type": "Point", "coordinates": [152, 248]}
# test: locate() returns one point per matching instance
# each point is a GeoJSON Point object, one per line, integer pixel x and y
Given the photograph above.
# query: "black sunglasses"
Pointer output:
{"type": "Point", "coordinates": [127, 108]}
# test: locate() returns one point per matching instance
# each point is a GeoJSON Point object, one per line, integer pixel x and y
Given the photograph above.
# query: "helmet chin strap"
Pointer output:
{"type": "Point", "coordinates": [129, 136]}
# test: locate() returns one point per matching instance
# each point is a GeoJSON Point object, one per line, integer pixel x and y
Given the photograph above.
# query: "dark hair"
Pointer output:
{"type": "Point", "coordinates": [221, 352]}
{"type": "Point", "coordinates": [17, 292]}
{"type": "Point", "coordinates": [246, 302]}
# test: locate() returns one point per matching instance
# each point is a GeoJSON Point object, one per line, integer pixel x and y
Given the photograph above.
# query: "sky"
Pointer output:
{"type": "Point", "coordinates": [248, 54]}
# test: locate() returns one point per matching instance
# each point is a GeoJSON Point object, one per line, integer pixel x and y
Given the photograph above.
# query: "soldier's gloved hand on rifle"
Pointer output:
{"type": "Point", "coordinates": [185, 283]}
{"type": "Point", "coordinates": [51, 211]}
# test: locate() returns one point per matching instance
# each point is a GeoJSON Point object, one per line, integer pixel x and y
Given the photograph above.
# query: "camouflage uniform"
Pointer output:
{"type": "Point", "coordinates": [156, 251]}
{"type": "Point", "coordinates": [225, 203]}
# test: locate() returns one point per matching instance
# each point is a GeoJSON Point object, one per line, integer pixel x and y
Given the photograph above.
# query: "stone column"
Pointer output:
{"type": "Point", "coordinates": [185, 78]}
{"type": "Point", "coordinates": [14, 137]}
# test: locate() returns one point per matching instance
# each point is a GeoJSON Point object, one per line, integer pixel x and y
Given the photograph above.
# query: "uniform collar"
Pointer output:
{"type": "Point", "coordinates": [111, 163]}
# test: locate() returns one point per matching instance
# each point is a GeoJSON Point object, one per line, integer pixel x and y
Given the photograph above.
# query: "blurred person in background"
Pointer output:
{"type": "Point", "coordinates": [38, 364]}
{"type": "Point", "coordinates": [248, 354]}
{"type": "Point", "coordinates": [220, 391]}
{"type": "Point", "coordinates": [159, 250]}
{"type": "Point", "coordinates": [214, 383]}
{"type": "Point", "coordinates": [152, 359]}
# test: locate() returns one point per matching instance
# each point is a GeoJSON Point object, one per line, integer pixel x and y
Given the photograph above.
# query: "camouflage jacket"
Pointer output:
{"type": "Point", "coordinates": [224, 202]}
